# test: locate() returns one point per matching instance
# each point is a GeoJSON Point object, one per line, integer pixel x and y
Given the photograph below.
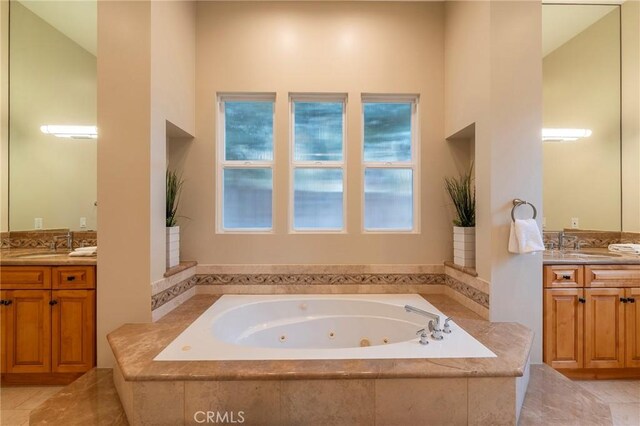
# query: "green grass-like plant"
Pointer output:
{"type": "Point", "coordinates": [463, 194]}
{"type": "Point", "coordinates": [174, 189]}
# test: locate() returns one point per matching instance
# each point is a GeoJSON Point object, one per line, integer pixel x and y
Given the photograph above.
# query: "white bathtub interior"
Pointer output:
{"type": "Point", "coordinates": [321, 327]}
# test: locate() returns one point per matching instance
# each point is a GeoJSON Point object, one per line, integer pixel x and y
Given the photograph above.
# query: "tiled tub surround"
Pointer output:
{"type": "Point", "coordinates": [468, 290]}
{"type": "Point", "coordinates": [354, 392]}
{"type": "Point", "coordinates": [44, 238]}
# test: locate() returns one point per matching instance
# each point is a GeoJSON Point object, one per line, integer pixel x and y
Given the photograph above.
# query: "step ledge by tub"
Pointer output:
{"type": "Point", "coordinates": [464, 269]}
{"type": "Point", "coordinates": [182, 266]}
{"type": "Point", "coordinates": [135, 345]}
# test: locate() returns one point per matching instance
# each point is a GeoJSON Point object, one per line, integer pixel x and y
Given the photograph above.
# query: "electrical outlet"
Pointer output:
{"type": "Point", "coordinates": [575, 223]}
{"type": "Point", "coordinates": [37, 223]}
{"type": "Point", "coordinates": [83, 223]}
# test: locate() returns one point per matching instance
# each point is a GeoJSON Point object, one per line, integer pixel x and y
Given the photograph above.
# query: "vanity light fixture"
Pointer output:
{"type": "Point", "coordinates": [564, 135]}
{"type": "Point", "coordinates": [73, 132]}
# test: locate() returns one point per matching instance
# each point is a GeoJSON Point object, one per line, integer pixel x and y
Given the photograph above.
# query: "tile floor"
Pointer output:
{"type": "Point", "coordinates": [17, 402]}
{"type": "Point", "coordinates": [622, 396]}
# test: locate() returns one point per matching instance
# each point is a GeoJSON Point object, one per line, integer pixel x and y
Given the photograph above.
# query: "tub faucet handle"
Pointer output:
{"type": "Point", "coordinates": [423, 336]}
{"type": "Point", "coordinates": [446, 328]}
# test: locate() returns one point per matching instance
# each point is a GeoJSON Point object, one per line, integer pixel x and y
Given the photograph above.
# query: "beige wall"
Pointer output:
{"type": "Point", "coordinates": [124, 117]}
{"type": "Point", "coordinates": [173, 61]}
{"type": "Point", "coordinates": [318, 47]}
{"type": "Point", "coordinates": [53, 81]}
{"type": "Point", "coordinates": [631, 116]}
{"type": "Point", "coordinates": [4, 116]}
{"type": "Point", "coordinates": [145, 78]}
{"type": "Point", "coordinates": [501, 93]}
{"type": "Point", "coordinates": [582, 90]}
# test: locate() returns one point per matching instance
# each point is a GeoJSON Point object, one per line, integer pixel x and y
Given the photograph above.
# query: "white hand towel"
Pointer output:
{"type": "Point", "coordinates": [525, 237]}
{"type": "Point", "coordinates": [84, 252]}
{"type": "Point", "coordinates": [625, 248]}
{"type": "Point", "coordinates": [88, 248]}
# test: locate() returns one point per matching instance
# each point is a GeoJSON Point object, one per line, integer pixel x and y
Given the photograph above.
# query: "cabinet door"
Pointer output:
{"type": "Point", "coordinates": [73, 330]}
{"type": "Point", "coordinates": [604, 328]}
{"type": "Point", "coordinates": [632, 325]}
{"type": "Point", "coordinates": [563, 328]}
{"type": "Point", "coordinates": [28, 331]}
{"type": "Point", "coordinates": [3, 334]}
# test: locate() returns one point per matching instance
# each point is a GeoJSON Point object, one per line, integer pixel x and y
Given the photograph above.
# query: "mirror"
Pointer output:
{"type": "Point", "coordinates": [52, 115]}
{"type": "Point", "coordinates": [581, 117]}
{"type": "Point", "coordinates": [591, 115]}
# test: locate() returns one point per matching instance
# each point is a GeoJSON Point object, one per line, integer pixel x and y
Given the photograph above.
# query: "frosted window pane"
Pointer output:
{"type": "Point", "coordinates": [387, 131]}
{"type": "Point", "coordinates": [248, 131]}
{"type": "Point", "coordinates": [388, 199]}
{"type": "Point", "coordinates": [318, 131]}
{"type": "Point", "coordinates": [247, 198]}
{"type": "Point", "coordinates": [317, 198]}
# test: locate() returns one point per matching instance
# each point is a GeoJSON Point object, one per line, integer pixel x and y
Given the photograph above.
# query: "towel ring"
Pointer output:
{"type": "Point", "coordinates": [517, 203]}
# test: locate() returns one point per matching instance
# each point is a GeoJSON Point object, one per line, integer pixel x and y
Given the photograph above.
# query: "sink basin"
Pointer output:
{"type": "Point", "coordinates": [40, 255]}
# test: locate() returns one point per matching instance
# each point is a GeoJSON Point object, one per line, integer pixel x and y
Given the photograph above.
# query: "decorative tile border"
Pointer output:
{"type": "Point", "coordinates": [468, 291]}
{"type": "Point", "coordinates": [43, 239]}
{"type": "Point", "coordinates": [464, 289]}
{"type": "Point", "coordinates": [318, 279]}
{"type": "Point", "coordinates": [595, 239]}
{"type": "Point", "coordinates": [165, 296]}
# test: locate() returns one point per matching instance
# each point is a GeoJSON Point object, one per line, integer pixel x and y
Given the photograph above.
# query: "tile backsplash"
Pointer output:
{"type": "Point", "coordinates": [595, 239]}
{"type": "Point", "coordinates": [43, 239]}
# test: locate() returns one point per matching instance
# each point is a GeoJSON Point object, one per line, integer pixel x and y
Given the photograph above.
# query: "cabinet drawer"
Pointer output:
{"type": "Point", "coordinates": [74, 277]}
{"type": "Point", "coordinates": [25, 277]}
{"type": "Point", "coordinates": [612, 276]}
{"type": "Point", "coordinates": [563, 276]}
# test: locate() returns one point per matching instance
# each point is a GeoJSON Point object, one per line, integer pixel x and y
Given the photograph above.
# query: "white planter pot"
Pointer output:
{"type": "Point", "coordinates": [464, 246]}
{"type": "Point", "coordinates": [173, 246]}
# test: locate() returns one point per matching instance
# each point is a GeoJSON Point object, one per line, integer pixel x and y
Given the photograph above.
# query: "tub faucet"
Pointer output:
{"type": "Point", "coordinates": [433, 325]}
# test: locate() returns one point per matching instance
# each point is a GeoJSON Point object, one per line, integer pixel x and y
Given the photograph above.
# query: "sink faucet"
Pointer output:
{"type": "Point", "coordinates": [68, 236]}
{"type": "Point", "coordinates": [433, 325]}
{"type": "Point", "coordinates": [562, 237]}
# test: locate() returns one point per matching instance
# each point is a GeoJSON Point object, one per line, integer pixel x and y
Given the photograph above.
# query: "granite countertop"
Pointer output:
{"type": "Point", "coordinates": [135, 346]}
{"type": "Point", "coordinates": [589, 256]}
{"type": "Point", "coordinates": [42, 257]}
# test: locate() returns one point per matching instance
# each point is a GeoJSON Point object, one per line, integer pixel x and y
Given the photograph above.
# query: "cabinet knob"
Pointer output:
{"type": "Point", "coordinates": [71, 278]}
{"type": "Point", "coordinates": [7, 302]}
{"type": "Point", "coordinates": [566, 277]}
{"type": "Point", "coordinates": [53, 302]}
{"type": "Point", "coordinates": [631, 299]}
{"type": "Point", "coordinates": [582, 300]}
{"type": "Point", "coordinates": [624, 300]}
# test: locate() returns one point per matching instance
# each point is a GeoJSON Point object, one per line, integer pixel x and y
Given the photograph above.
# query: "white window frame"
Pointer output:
{"type": "Point", "coordinates": [222, 163]}
{"type": "Point", "coordinates": [293, 164]}
{"type": "Point", "coordinates": [414, 164]}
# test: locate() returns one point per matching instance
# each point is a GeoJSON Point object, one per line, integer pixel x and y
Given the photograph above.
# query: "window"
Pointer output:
{"type": "Point", "coordinates": [317, 170]}
{"type": "Point", "coordinates": [390, 154]}
{"type": "Point", "coordinates": [245, 162]}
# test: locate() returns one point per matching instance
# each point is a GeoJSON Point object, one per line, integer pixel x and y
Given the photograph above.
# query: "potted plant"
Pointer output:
{"type": "Point", "coordinates": [174, 188]}
{"type": "Point", "coordinates": [463, 194]}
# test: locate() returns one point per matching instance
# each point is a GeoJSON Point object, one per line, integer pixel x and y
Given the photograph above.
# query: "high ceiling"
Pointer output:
{"type": "Point", "coordinates": [75, 19]}
{"type": "Point", "coordinates": [561, 23]}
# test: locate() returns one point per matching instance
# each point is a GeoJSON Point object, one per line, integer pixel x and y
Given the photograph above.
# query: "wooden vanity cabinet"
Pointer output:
{"type": "Point", "coordinates": [48, 334]}
{"type": "Point", "coordinates": [592, 319]}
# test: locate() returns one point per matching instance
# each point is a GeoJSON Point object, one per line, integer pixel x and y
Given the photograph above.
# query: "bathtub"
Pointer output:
{"type": "Point", "coordinates": [298, 327]}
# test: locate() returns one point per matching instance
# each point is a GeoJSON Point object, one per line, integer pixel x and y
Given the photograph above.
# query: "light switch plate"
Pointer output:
{"type": "Point", "coordinates": [37, 223]}
{"type": "Point", "coordinates": [83, 222]}
{"type": "Point", "coordinates": [575, 223]}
